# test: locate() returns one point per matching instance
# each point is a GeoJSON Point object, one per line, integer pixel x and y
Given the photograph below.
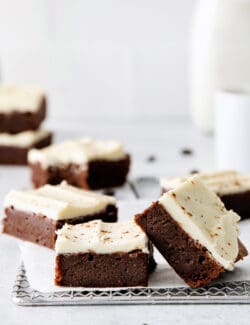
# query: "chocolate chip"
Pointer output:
{"type": "Point", "coordinates": [186, 152]}
{"type": "Point", "coordinates": [151, 159]}
{"type": "Point", "coordinates": [90, 257]}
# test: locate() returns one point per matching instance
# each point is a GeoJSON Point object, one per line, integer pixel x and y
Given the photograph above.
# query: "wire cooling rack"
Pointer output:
{"type": "Point", "coordinates": [223, 293]}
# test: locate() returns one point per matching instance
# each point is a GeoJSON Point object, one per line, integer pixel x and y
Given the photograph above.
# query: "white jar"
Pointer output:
{"type": "Point", "coordinates": [220, 54]}
{"type": "Point", "coordinates": [232, 132]}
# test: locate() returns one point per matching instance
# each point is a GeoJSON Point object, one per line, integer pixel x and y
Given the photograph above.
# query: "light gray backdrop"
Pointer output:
{"type": "Point", "coordinates": [99, 57]}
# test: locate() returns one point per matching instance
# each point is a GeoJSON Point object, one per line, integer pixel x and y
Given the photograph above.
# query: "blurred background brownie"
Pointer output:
{"type": "Point", "coordinates": [232, 187]}
{"type": "Point", "coordinates": [194, 232]}
{"type": "Point", "coordinates": [22, 108]}
{"type": "Point", "coordinates": [85, 163]}
{"type": "Point", "coordinates": [35, 215]}
{"type": "Point", "coordinates": [98, 254]}
{"type": "Point", "coordinates": [14, 147]}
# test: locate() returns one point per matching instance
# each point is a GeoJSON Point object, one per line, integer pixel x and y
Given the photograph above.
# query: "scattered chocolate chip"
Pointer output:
{"type": "Point", "coordinates": [109, 192]}
{"type": "Point", "coordinates": [90, 257]}
{"type": "Point", "coordinates": [186, 152]}
{"type": "Point", "coordinates": [151, 159]}
{"type": "Point", "coordinates": [194, 171]}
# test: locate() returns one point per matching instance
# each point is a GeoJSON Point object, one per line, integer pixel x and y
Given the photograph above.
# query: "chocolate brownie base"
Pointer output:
{"type": "Point", "coordinates": [106, 174]}
{"type": "Point", "coordinates": [98, 174]}
{"type": "Point", "coordinates": [102, 270]}
{"type": "Point", "coordinates": [238, 202]}
{"type": "Point", "coordinates": [191, 261]}
{"type": "Point", "coordinates": [10, 155]}
{"type": "Point", "coordinates": [39, 229]}
{"type": "Point", "coordinates": [16, 122]}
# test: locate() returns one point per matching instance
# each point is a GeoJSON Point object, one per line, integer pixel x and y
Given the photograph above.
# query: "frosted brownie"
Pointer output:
{"type": "Point", "coordinates": [233, 188]}
{"type": "Point", "coordinates": [14, 147]}
{"type": "Point", "coordinates": [22, 108]}
{"type": "Point", "coordinates": [85, 163]}
{"type": "Point", "coordinates": [35, 215]}
{"type": "Point", "coordinates": [98, 254]}
{"type": "Point", "coordinates": [194, 232]}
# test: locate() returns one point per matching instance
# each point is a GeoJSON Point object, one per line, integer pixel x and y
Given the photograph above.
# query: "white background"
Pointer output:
{"type": "Point", "coordinates": [99, 57]}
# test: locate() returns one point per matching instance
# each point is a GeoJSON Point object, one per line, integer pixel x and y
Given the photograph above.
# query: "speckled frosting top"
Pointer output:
{"type": "Point", "coordinates": [203, 216]}
{"type": "Point", "coordinates": [101, 238]}
{"type": "Point", "coordinates": [222, 183]}
{"type": "Point", "coordinates": [78, 151]}
{"type": "Point", "coordinates": [59, 202]}
{"type": "Point", "coordinates": [16, 98]}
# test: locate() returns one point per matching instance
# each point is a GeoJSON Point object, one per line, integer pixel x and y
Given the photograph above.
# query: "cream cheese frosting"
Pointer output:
{"type": "Point", "coordinates": [222, 183]}
{"type": "Point", "coordinates": [59, 202]}
{"type": "Point", "coordinates": [16, 98]}
{"type": "Point", "coordinates": [203, 216]}
{"type": "Point", "coordinates": [22, 139]}
{"type": "Point", "coordinates": [78, 151]}
{"type": "Point", "coordinates": [101, 238]}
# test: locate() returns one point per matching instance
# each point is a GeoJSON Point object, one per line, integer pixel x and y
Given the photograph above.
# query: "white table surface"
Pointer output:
{"type": "Point", "coordinates": [163, 138]}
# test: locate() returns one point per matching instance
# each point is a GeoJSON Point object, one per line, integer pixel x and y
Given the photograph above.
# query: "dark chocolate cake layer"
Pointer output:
{"type": "Point", "coordinates": [102, 270]}
{"type": "Point", "coordinates": [13, 155]}
{"type": "Point", "coordinates": [98, 174]}
{"type": "Point", "coordinates": [191, 261]}
{"type": "Point", "coordinates": [15, 122]}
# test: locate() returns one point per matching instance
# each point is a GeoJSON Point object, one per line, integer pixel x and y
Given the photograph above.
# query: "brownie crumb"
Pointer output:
{"type": "Point", "coordinates": [151, 159]}
{"type": "Point", "coordinates": [109, 192]}
{"type": "Point", "coordinates": [186, 152]}
{"type": "Point", "coordinates": [194, 171]}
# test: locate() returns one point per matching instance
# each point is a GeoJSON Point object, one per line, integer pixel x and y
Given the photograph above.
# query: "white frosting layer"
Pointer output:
{"type": "Point", "coordinates": [78, 151]}
{"type": "Point", "coordinates": [222, 183]}
{"type": "Point", "coordinates": [59, 202]}
{"type": "Point", "coordinates": [23, 139]}
{"type": "Point", "coordinates": [101, 238]}
{"type": "Point", "coordinates": [203, 216]}
{"type": "Point", "coordinates": [20, 98]}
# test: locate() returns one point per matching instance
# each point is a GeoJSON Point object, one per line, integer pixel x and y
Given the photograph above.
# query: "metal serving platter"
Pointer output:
{"type": "Point", "coordinates": [236, 292]}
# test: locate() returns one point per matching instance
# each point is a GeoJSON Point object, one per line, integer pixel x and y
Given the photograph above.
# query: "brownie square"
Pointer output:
{"type": "Point", "coordinates": [97, 175]}
{"type": "Point", "coordinates": [15, 154]}
{"type": "Point", "coordinates": [22, 108]}
{"type": "Point", "coordinates": [96, 255]}
{"type": "Point", "coordinates": [39, 225]}
{"type": "Point", "coordinates": [190, 258]}
{"type": "Point", "coordinates": [85, 163]}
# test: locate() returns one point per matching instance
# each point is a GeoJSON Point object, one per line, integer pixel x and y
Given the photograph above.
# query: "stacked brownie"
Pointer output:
{"type": "Point", "coordinates": [85, 163]}
{"type": "Point", "coordinates": [35, 215]}
{"type": "Point", "coordinates": [194, 232]}
{"type": "Point", "coordinates": [232, 187]}
{"type": "Point", "coordinates": [22, 110]}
